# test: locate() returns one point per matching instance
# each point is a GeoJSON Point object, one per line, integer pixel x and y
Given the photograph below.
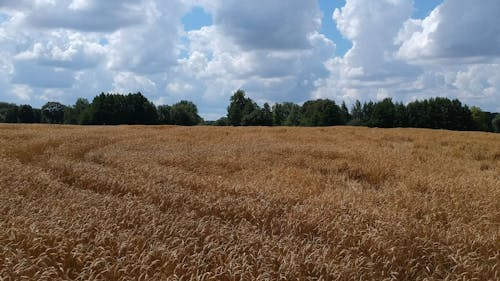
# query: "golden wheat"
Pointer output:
{"type": "Point", "coordinates": [204, 203]}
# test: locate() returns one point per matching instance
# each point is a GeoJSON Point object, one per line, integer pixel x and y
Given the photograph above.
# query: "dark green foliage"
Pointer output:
{"type": "Point", "coordinates": [367, 113]}
{"type": "Point", "coordinates": [12, 114]}
{"type": "Point", "coordinates": [344, 113]}
{"type": "Point", "coordinates": [185, 113]}
{"type": "Point", "coordinates": [356, 114]}
{"type": "Point", "coordinates": [26, 114]}
{"type": "Point", "coordinates": [8, 112]}
{"type": "Point", "coordinates": [293, 118]}
{"type": "Point", "coordinates": [400, 115]}
{"type": "Point", "coordinates": [279, 114]}
{"type": "Point", "coordinates": [37, 115]}
{"type": "Point", "coordinates": [481, 119]}
{"type": "Point", "coordinates": [418, 114]}
{"type": "Point", "coordinates": [286, 114]}
{"type": "Point", "coordinates": [322, 112]}
{"type": "Point", "coordinates": [53, 113]}
{"type": "Point", "coordinates": [140, 110]}
{"type": "Point", "coordinates": [239, 107]}
{"type": "Point", "coordinates": [223, 121]}
{"type": "Point", "coordinates": [164, 114]}
{"type": "Point", "coordinates": [267, 115]}
{"type": "Point", "coordinates": [435, 113]}
{"type": "Point", "coordinates": [82, 111]}
{"type": "Point", "coordinates": [440, 113]}
{"type": "Point", "coordinates": [78, 113]}
{"type": "Point", "coordinates": [254, 118]}
{"type": "Point", "coordinates": [383, 114]}
{"type": "Point", "coordinates": [115, 109]}
{"type": "Point", "coordinates": [496, 123]}
{"type": "Point", "coordinates": [258, 117]}
{"type": "Point", "coordinates": [243, 111]}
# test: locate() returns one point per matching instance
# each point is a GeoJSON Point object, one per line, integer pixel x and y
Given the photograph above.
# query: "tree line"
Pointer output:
{"type": "Point", "coordinates": [105, 109]}
{"type": "Point", "coordinates": [434, 113]}
{"type": "Point", "coordinates": [135, 109]}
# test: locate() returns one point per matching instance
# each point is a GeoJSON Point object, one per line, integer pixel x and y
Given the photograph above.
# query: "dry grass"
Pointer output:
{"type": "Point", "coordinates": [172, 203]}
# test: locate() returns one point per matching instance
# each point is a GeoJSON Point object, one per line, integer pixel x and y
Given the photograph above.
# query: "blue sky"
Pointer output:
{"type": "Point", "coordinates": [204, 50]}
{"type": "Point", "coordinates": [196, 18]}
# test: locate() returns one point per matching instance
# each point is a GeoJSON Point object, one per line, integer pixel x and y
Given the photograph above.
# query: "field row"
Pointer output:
{"type": "Point", "coordinates": [174, 203]}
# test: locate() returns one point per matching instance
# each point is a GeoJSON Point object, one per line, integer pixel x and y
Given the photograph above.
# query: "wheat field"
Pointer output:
{"type": "Point", "coordinates": [208, 203]}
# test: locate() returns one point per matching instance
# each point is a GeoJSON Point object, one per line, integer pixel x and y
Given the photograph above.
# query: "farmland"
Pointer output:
{"type": "Point", "coordinates": [208, 203]}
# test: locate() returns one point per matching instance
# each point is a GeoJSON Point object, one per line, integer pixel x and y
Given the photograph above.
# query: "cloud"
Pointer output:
{"type": "Point", "coordinates": [369, 68]}
{"type": "Point", "coordinates": [126, 82]}
{"type": "Point", "coordinates": [221, 66]}
{"type": "Point", "coordinates": [269, 25]}
{"type": "Point", "coordinates": [87, 15]}
{"type": "Point", "coordinates": [22, 92]}
{"type": "Point", "coordinates": [372, 26]}
{"type": "Point", "coordinates": [64, 49]}
{"type": "Point", "coordinates": [394, 55]}
{"type": "Point", "coordinates": [69, 49]}
{"type": "Point", "coordinates": [153, 46]}
{"type": "Point", "coordinates": [455, 29]}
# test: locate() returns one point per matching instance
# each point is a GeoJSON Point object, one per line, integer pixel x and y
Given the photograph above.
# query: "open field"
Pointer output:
{"type": "Point", "coordinates": [206, 203]}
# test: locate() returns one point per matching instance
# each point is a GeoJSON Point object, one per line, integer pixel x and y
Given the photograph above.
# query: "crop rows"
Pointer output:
{"type": "Point", "coordinates": [205, 203]}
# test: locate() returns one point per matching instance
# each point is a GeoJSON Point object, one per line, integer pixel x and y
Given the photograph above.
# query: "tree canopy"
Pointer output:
{"type": "Point", "coordinates": [135, 109]}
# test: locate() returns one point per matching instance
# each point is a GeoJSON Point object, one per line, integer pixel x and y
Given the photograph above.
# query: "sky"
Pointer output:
{"type": "Point", "coordinates": [294, 50]}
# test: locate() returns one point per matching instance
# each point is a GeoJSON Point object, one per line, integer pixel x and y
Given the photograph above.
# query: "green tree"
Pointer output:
{"type": "Point", "coordinates": [164, 112]}
{"type": "Point", "coordinates": [357, 114]}
{"type": "Point", "coordinates": [293, 118]}
{"type": "Point", "coordinates": [70, 116]}
{"type": "Point", "coordinates": [37, 115]}
{"type": "Point", "coordinates": [400, 115]}
{"type": "Point", "coordinates": [240, 106]}
{"type": "Point", "coordinates": [139, 110]}
{"type": "Point", "coordinates": [82, 110]}
{"type": "Point", "coordinates": [115, 109]}
{"type": "Point", "coordinates": [102, 110]}
{"type": "Point", "coordinates": [383, 114]}
{"type": "Point", "coordinates": [8, 112]}
{"type": "Point", "coordinates": [223, 121]}
{"type": "Point", "coordinates": [496, 123]}
{"type": "Point", "coordinates": [267, 115]}
{"type": "Point", "coordinates": [185, 113]}
{"type": "Point", "coordinates": [11, 116]}
{"type": "Point", "coordinates": [279, 114]}
{"type": "Point", "coordinates": [258, 117]}
{"type": "Point", "coordinates": [481, 119]}
{"type": "Point", "coordinates": [344, 112]}
{"type": "Point", "coordinates": [418, 115]}
{"type": "Point", "coordinates": [254, 118]}
{"type": "Point", "coordinates": [367, 113]}
{"type": "Point", "coordinates": [321, 112]}
{"type": "Point", "coordinates": [53, 113]}
{"type": "Point", "coordinates": [26, 114]}
{"type": "Point", "coordinates": [286, 114]}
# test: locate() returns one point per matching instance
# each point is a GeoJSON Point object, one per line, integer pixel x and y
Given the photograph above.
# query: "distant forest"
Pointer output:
{"type": "Point", "coordinates": [136, 109]}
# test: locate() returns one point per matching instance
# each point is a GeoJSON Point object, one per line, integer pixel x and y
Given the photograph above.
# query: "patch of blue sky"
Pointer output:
{"type": "Point", "coordinates": [424, 7]}
{"type": "Point", "coordinates": [196, 19]}
{"type": "Point", "coordinates": [3, 17]}
{"type": "Point", "coordinates": [103, 42]}
{"type": "Point", "coordinates": [329, 26]}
